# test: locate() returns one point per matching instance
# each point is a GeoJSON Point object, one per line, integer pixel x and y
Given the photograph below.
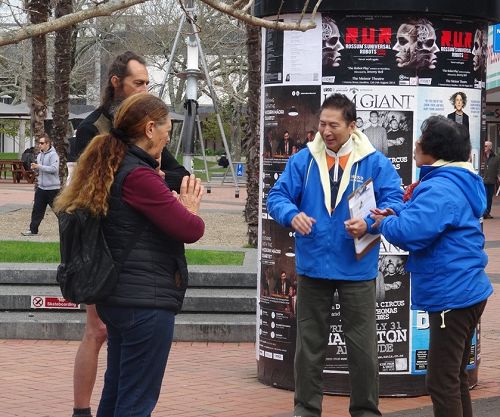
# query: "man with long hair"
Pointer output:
{"type": "Point", "coordinates": [127, 75]}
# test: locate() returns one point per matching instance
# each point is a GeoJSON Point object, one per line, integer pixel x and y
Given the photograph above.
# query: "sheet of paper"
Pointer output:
{"type": "Point", "coordinates": [361, 201]}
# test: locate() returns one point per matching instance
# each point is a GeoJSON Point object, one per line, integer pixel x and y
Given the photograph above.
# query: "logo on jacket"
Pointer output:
{"type": "Point", "coordinates": [357, 179]}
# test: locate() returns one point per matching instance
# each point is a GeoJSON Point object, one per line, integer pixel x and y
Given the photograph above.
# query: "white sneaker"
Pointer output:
{"type": "Point", "coordinates": [28, 233]}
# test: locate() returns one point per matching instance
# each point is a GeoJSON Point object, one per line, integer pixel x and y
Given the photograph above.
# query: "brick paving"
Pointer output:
{"type": "Point", "coordinates": [209, 380]}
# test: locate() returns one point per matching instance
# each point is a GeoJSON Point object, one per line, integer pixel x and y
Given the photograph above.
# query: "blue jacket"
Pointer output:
{"type": "Point", "coordinates": [440, 228]}
{"type": "Point", "coordinates": [328, 251]}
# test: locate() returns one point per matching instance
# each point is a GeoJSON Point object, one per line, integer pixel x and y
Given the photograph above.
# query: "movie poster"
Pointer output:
{"type": "Point", "coordinates": [386, 116]}
{"type": "Point", "coordinates": [358, 50]}
{"type": "Point", "coordinates": [277, 296]}
{"type": "Point", "coordinates": [290, 112]}
{"type": "Point", "coordinates": [392, 314]}
{"type": "Point", "coordinates": [397, 50]}
{"type": "Point", "coordinates": [460, 105]}
{"type": "Point", "coordinates": [420, 344]}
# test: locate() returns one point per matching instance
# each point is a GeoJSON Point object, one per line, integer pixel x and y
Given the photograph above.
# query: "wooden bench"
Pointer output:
{"type": "Point", "coordinates": [16, 168]}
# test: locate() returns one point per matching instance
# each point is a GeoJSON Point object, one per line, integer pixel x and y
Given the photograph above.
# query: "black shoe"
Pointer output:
{"type": "Point", "coordinates": [487, 216]}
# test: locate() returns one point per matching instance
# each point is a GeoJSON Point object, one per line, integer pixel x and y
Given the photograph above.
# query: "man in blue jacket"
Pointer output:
{"type": "Point", "coordinates": [311, 197]}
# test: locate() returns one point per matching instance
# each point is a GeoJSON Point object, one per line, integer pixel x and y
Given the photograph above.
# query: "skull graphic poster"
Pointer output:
{"type": "Point", "coordinates": [397, 50]}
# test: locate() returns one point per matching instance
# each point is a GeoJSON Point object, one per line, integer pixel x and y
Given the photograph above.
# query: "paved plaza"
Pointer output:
{"type": "Point", "coordinates": [216, 379]}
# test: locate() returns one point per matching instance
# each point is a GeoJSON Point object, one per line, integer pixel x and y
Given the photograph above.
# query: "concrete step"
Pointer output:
{"type": "Point", "coordinates": [206, 276]}
{"type": "Point", "coordinates": [220, 304]}
{"type": "Point", "coordinates": [213, 300]}
{"type": "Point", "coordinates": [69, 325]}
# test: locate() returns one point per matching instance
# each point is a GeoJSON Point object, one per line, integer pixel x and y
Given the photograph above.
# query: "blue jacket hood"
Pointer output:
{"type": "Point", "coordinates": [462, 174]}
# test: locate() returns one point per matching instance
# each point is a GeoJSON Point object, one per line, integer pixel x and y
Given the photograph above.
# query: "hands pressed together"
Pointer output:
{"type": "Point", "coordinates": [191, 193]}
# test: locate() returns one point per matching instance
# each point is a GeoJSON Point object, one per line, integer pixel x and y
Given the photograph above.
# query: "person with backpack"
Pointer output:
{"type": "Point", "coordinates": [116, 179]}
{"type": "Point", "coordinates": [127, 75]}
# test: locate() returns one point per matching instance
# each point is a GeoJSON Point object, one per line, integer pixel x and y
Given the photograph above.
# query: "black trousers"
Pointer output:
{"type": "Point", "coordinates": [42, 199]}
{"type": "Point", "coordinates": [449, 352]}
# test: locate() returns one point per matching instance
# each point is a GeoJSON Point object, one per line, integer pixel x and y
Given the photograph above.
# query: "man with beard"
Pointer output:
{"type": "Point", "coordinates": [416, 45]}
{"type": "Point", "coordinates": [127, 76]}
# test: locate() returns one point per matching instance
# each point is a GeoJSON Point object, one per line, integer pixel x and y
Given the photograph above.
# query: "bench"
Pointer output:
{"type": "Point", "coordinates": [16, 168]}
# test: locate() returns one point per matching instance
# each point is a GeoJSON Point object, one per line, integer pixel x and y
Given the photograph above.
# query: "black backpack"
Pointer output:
{"type": "Point", "coordinates": [87, 273]}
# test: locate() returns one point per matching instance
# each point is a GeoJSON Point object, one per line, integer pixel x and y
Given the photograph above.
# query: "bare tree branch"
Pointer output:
{"type": "Point", "coordinates": [256, 21]}
{"type": "Point", "coordinates": [30, 31]}
{"type": "Point", "coordinates": [238, 10]}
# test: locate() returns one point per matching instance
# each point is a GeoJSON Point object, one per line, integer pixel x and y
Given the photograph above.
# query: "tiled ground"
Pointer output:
{"type": "Point", "coordinates": [210, 380]}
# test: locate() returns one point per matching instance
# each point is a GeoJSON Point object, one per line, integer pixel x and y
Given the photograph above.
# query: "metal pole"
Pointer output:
{"type": "Point", "coordinates": [172, 56]}
{"type": "Point", "coordinates": [216, 109]}
{"type": "Point", "coordinates": [200, 135]}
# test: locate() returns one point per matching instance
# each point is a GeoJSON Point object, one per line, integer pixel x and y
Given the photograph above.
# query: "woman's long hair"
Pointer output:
{"type": "Point", "coordinates": [95, 172]}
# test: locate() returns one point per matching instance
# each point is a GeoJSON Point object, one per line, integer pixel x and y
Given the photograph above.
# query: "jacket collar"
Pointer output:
{"type": "Point", "coordinates": [141, 154]}
{"type": "Point", "coordinates": [359, 146]}
{"type": "Point", "coordinates": [427, 169]}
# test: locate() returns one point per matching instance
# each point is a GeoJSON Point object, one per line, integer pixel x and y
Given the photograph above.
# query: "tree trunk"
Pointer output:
{"type": "Point", "coordinates": [62, 72]}
{"type": "Point", "coordinates": [38, 12]}
{"type": "Point", "coordinates": [251, 142]}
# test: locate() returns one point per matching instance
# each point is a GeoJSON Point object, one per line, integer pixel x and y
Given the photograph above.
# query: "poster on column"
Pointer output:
{"type": "Point", "coordinates": [392, 315]}
{"type": "Point", "coordinates": [386, 116]}
{"type": "Point", "coordinates": [357, 49]}
{"type": "Point", "coordinates": [272, 42]}
{"type": "Point", "coordinates": [277, 294]}
{"type": "Point", "coordinates": [403, 50]}
{"type": "Point", "coordinates": [289, 113]}
{"type": "Point", "coordinates": [462, 53]}
{"type": "Point", "coordinates": [460, 105]}
{"type": "Point", "coordinates": [302, 54]}
{"type": "Point", "coordinates": [420, 344]}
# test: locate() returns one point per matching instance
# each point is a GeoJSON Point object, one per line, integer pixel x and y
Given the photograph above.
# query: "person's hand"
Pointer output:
{"type": "Point", "coordinates": [302, 223]}
{"type": "Point", "coordinates": [158, 170]}
{"type": "Point", "coordinates": [378, 219]}
{"type": "Point", "coordinates": [356, 227]}
{"type": "Point", "coordinates": [34, 165]}
{"type": "Point", "coordinates": [379, 215]}
{"type": "Point", "coordinates": [384, 212]}
{"type": "Point", "coordinates": [191, 193]}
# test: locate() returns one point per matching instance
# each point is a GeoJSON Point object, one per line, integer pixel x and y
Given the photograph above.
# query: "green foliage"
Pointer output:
{"type": "Point", "coordinates": [11, 127]}
{"type": "Point", "coordinates": [210, 128]}
{"type": "Point", "coordinates": [8, 155]}
{"type": "Point", "coordinates": [48, 252]}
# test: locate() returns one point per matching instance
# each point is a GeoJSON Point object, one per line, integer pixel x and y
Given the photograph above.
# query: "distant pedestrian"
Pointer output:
{"type": "Point", "coordinates": [491, 173]}
{"type": "Point", "coordinates": [28, 157]}
{"type": "Point", "coordinates": [223, 161]}
{"type": "Point", "coordinates": [47, 167]}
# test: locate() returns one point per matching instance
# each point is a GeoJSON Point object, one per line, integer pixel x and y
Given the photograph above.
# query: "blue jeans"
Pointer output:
{"type": "Point", "coordinates": [139, 341]}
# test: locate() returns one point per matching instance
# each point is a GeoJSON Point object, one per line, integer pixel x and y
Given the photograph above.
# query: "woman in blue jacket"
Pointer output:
{"type": "Point", "coordinates": [439, 226]}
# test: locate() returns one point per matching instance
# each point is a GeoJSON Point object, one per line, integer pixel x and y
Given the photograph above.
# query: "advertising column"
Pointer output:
{"type": "Point", "coordinates": [398, 70]}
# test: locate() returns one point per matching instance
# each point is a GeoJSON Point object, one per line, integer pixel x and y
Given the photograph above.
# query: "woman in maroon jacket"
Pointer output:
{"type": "Point", "coordinates": [117, 178]}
